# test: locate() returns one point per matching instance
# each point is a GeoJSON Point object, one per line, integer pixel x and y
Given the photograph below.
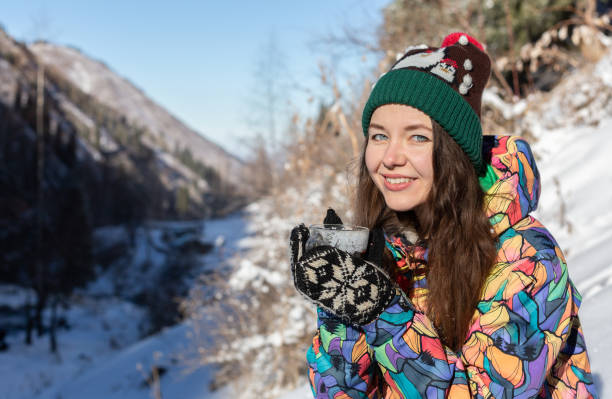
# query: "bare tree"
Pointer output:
{"type": "Point", "coordinates": [269, 95]}
{"type": "Point", "coordinates": [41, 30]}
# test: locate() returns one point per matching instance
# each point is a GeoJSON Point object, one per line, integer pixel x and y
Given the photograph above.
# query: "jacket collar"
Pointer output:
{"type": "Point", "coordinates": [407, 254]}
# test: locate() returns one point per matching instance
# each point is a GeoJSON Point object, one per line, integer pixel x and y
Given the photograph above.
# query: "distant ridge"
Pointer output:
{"type": "Point", "coordinates": [98, 80]}
{"type": "Point", "coordinates": [105, 139]}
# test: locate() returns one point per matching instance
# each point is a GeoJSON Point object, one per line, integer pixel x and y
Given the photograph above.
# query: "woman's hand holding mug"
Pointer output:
{"type": "Point", "coordinates": [351, 288]}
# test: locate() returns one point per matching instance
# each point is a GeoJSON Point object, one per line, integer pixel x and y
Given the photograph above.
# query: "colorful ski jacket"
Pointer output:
{"type": "Point", "coordinates": [525, 338]}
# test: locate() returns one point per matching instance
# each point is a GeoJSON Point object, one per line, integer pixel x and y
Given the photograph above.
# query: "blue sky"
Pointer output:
{"type": "Point", "coordinates": [196, 58]}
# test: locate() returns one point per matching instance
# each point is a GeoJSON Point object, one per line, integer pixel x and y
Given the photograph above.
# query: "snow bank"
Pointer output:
{"type": "Point", "coordinates": [125, 375]}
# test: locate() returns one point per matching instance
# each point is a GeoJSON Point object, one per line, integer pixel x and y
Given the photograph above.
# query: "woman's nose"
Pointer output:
{"type": "Point", "coordinates": [394, 156]}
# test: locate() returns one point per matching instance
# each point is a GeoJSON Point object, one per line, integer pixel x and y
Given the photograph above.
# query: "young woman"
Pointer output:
{"type": "Point", "coordinates": [461, 293]}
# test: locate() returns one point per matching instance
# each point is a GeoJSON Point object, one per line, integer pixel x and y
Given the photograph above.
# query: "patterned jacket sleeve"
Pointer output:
{"type": "Point", "coordinates": [340, 362]}
{"type": "Point", "coordinates": [527, 338]}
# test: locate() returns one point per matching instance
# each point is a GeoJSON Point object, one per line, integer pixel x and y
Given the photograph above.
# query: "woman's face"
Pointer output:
{"type": "Point", "coordinates": [399, 155]}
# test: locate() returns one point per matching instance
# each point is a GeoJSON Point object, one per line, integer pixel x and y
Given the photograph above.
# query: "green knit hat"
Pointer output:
{"type": "Point", "coordinates": [446, 83]}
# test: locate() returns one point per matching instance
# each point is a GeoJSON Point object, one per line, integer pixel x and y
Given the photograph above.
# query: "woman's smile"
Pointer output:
{"type": "Point", "coordinates": [397, 182]}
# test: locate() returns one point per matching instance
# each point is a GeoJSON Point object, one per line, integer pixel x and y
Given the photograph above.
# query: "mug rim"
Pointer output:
{"type": "Point", "coordinates": [345, 227]}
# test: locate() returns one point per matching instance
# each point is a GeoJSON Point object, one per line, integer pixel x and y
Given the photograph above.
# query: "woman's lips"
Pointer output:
{"type": "Point", "coordinates": [397, 182]}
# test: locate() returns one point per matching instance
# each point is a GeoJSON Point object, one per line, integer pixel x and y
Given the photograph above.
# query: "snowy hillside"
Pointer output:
{"type": "Point", "coordinates": [98, 80]}
{"type": "Point", "coordinates": [102, 143]}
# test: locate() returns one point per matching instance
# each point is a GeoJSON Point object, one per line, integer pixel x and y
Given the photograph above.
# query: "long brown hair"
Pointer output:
{"type": "Point", "coordinates": [455, 228]}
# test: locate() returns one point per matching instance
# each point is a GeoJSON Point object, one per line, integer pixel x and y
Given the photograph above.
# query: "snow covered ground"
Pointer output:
{"type": "Point", "coordinates": [89, 365]}
{"type": "Point", "coordinates": [98, 330]}
{"type": "Point", "coordinates": [128, 374]}
{"type": "Point", "coordinates": [101, 355]}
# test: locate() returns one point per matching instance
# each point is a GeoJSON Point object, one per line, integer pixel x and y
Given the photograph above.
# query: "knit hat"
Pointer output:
{"type": "Point", "coordinates": [446, 83]}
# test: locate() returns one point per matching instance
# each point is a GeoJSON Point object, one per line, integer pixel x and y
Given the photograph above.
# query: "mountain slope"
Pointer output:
{"type": "Point", "coordinates": [98, 80]}
{"type": "Point", "coordinates": [134, 169]}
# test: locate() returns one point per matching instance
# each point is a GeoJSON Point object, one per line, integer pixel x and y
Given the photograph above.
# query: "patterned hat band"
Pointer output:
{"type": "Point", "coordinates": [445, 83]}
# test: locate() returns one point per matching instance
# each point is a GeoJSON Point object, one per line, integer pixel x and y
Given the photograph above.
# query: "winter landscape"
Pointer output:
{"type": "Point", "coordinates": [192, 297]}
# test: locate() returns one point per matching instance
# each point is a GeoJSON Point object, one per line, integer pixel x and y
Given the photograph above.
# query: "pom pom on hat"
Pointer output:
{"type": "Point", "coordinates": [462, 38]}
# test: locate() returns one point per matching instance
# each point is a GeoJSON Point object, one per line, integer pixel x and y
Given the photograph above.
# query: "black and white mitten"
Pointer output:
{"type": "Point", "coordinates": [352, 289]}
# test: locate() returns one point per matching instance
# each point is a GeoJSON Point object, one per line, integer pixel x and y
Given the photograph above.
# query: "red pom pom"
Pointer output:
{"type": "Point", "coordinates": [454, 38]}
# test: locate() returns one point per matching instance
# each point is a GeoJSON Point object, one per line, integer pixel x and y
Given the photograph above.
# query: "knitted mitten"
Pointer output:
{"type": "Point", "coordinates": [352, 289]}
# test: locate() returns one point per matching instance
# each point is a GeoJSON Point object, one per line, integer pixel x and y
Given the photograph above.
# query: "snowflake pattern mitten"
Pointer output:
{"type": "Point", "coordinates": [352, 289]}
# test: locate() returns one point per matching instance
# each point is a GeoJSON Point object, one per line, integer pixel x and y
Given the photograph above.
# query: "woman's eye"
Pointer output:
{"type": "Point", "coordinates": [378, 137]}
{"type": "Point", "coordinates": [420, 138]}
